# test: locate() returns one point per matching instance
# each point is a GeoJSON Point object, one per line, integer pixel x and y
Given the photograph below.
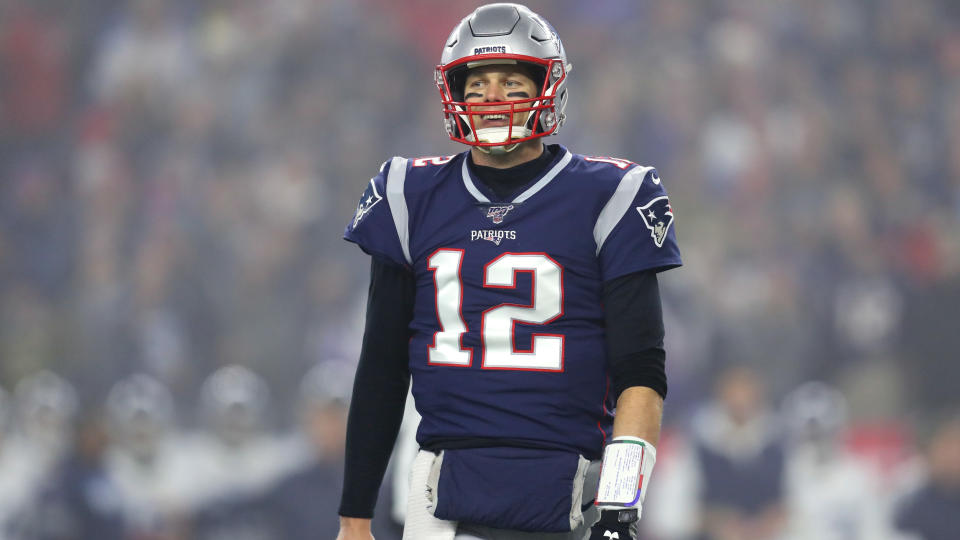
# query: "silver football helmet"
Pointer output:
{"type": "Point", "coordinates": [503, 34]}
{"type": "Point", "coordinates": [815, 412]}
{"type": "Point", "coordinates": [234, 401]}
{"type": "Point", "coordinates": [140, 410]}
{"type": "Point", "coordinates": [328, 382]}
{"type": "Point", "coordinates": [46, 405]}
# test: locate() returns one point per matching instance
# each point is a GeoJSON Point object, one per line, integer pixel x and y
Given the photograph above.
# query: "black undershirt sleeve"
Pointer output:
{"type": "Point", "coordinates": [634, 328]}
{"type": "Point", "coordinates": [380, 387]}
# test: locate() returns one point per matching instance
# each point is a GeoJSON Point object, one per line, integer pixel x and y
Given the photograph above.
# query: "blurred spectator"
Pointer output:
{"type": "Point", "coordinates": [738, 454]}
{"type": "Point", "coordinates": [236, 460]}
{"type": "Point", "coordinates": [37, 205]}
{"type": "Point", "coordinates": [933, 511]}
{"type": "Point", "coordinates": [80, 501]}
{"type": "Point", "coordinates": [142, 60]}
{"type": "Point", "coordinates": [831, 494]}
{"type": "Point", "coordinates": [33, 61]}
{"type": "Point", "coordinates": [46, 404]}
{"type": "Point", "coordinates": [299, 503]}
{"type": "Point", "coordinates": [234, 403]}
{"type": "Point", "coordinates": [143, 461]}
{"type": "Point", "coordinates": [930, 341]}
{"type": "Point", "coordinates": [44, 408]}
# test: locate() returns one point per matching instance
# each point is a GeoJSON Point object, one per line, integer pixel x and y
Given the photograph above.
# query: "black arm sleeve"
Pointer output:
{"type": "Point", "coordinates": [379, 389]}
{"type": "Point", "coordinates": [634, 324]}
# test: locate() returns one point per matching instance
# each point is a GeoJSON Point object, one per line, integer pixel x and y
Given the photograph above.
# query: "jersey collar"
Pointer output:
{"type": "Point", "coordinates": [474, 186]}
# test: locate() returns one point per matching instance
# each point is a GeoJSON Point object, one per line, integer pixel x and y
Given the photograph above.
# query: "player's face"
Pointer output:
{"type": "Point", "coordinates": [498, 83]}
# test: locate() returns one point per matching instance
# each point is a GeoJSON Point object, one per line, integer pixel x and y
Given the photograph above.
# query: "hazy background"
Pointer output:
{"type": "Point", "coordinates": [175, 178]}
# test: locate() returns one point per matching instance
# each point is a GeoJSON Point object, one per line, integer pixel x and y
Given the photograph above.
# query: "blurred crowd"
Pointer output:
{"type": "Point", "coordinates": [175, 177]}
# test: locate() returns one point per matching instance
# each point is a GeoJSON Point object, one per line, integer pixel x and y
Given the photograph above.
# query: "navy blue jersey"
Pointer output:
{"type": "Point", "coordinates": [508, 335]}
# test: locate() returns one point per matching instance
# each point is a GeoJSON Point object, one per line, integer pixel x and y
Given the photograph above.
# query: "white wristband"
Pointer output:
{"type": "Point", "coordinates": [625, 472]}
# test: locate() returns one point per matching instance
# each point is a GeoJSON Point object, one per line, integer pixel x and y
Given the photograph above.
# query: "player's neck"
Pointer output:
{"type": "Point", "coordinates": [527, 151]}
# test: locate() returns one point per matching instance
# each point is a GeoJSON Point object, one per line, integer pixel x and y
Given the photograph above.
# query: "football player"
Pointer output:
{"type": "Point", "coordinates": [143, 460]}
{"type": "Point", "coordinates": [848, 501]}
{"type": "Point", "coordinates": [516, 285]}
{"type": "Point", "coordinates": [235, 456]}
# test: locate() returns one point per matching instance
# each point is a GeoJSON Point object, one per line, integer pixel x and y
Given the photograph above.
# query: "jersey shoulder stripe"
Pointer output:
{"type": "Point", "coordinates": [396, 177]}
{"type": "Point", "coordinates": [380, 223]}
{"type": "Point", "coordinates": [619, 203]}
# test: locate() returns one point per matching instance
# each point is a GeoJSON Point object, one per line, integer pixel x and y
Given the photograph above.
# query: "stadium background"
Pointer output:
{"type": "Point", "coordinates": [175, 178]}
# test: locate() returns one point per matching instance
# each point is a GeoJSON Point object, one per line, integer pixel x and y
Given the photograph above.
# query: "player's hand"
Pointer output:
{"type": "Point", "coordinates": [354, 529]}
{"type": "Point", "coordinates": [610, 527]}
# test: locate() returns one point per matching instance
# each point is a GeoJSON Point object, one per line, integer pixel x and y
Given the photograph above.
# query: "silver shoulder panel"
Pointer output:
{"type": "Point", "coordinates": [619, 203]}
{"type": "Point", "coordinates": [398, 203]}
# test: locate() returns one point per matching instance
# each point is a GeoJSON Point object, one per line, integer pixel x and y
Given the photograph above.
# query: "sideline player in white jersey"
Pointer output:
{"type": "Point", "coordinates": [831, 494]}
{"type": "Point", "coordinates": [235, 457]}
{"type": "Point", "coordinates": [144, 460]}
{"type": "Point", "coordinates": [516, 285]}
{"type": "Point", "coordinates": [40, 424]}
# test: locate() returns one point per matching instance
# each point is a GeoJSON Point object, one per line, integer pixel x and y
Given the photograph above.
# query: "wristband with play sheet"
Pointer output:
{"type": "Point", "coordinates": [625, 473]}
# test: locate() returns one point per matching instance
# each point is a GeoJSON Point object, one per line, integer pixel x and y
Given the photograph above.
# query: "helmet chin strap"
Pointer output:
{"type": "Point", "coordinates": [500, 134]}
{"type": "Point", "coordinates": [498, 150]}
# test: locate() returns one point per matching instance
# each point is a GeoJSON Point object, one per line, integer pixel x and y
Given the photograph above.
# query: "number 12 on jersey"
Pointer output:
{"type": "Point", "coordinates": [498, 322]}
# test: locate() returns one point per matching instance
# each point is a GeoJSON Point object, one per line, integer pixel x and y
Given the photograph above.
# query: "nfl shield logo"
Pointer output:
{"type": "Point", "coordinates": [658, 217]}
{"type": "Point", "coordinates": [498, 213]}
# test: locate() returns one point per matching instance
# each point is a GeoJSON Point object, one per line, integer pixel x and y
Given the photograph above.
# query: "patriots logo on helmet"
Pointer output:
{"type": "Point", "coordinates": [498, 213]}
{"type": "Point", "coordinates": [658, 217]}
{"type": "Point", "coordinates": [368, 200]}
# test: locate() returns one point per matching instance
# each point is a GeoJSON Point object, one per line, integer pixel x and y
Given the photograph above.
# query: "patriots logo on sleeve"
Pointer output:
{"type": "Point", "coordinates": [368, 200]}
{"type": "Point", "coordinates": [658, 217]}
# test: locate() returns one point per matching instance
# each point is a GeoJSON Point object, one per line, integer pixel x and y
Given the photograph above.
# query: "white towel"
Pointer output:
{"type": "Point", "coordinates": [420, 523]}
